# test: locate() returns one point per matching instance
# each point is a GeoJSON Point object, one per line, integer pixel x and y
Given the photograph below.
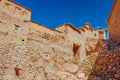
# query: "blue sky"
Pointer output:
{"type": "Point", "coordinates": [52, 13]}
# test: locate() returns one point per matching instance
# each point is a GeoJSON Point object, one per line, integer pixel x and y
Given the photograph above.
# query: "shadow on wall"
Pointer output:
{"type": "Point", "coordinates": [106, 66]}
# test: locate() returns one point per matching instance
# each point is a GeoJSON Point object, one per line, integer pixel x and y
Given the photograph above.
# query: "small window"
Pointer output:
{"type": "Point", "coordinates": [46, 56]}
{"type": "Point", "coordinates": [17, 28]}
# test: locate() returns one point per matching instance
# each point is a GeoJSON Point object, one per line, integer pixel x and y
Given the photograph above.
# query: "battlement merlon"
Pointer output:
{"type": "Point", "coordinates": [15, 10]}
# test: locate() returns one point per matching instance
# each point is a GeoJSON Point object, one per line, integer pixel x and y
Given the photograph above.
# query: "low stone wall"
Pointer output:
{"type": "Point", "coordinates": [107, 66]}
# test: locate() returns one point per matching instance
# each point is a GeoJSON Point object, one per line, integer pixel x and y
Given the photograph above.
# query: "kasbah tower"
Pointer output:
{"type": "Point", "coordinates": [32, 51]}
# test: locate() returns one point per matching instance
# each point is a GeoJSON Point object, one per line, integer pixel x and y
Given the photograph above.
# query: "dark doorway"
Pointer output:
{"type": "Point", "coordinates": [75, 48]}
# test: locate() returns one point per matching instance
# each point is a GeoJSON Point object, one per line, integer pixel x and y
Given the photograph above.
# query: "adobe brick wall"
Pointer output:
{"type": "Point", "coordinates": [114, 22]}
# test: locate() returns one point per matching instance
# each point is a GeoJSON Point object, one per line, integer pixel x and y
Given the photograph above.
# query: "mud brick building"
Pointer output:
{"type": "Point", "coordinates": [28, 48]}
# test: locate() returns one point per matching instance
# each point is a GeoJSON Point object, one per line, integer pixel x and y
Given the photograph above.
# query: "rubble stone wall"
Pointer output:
{"type": "Point", "coordinates": [29, 50]}
{"type": "Point", "coordinates": [15, 10]}
{"type": "Point", "coordinates": [15, 29]}
{"type": "Point", "coordinates": [106, 66]}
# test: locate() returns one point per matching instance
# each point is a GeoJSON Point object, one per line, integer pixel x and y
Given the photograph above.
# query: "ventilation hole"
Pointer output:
{"type": "Point", "coordinates": [22, 39]}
